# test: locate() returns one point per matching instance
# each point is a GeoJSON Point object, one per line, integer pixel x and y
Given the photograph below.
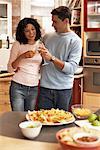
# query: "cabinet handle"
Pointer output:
{"type": "Point", "coordinates": [80, 85]}
{"type": "Point", "coordinates": [7, 103]}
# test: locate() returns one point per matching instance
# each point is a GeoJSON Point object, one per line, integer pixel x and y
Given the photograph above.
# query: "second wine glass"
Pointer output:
{"type": "Point", "coordinates": [39, 45]}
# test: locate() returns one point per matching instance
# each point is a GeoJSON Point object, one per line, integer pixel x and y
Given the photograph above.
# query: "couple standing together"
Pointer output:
{"type": "Point", "coordinates": [62, 52]}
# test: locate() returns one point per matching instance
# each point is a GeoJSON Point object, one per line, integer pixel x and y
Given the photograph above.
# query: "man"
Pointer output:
{"type": "Point", "coordinates": [63, 53]}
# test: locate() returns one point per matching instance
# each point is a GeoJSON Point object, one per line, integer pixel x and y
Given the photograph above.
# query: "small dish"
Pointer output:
{"type": "Point", "coordinates": [86, 139]}
{"type": "Point", "coordinates": [30, 129]}
{"type": "Point", "coordinates": [80, 111]}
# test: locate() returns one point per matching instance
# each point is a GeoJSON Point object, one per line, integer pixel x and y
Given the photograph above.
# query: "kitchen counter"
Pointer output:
{"type": "Point", "coordinates": [9, 122]}
{"type": "Point", "coordinates": [7, 143]}
{"type": "Point", "coordinates": [78, 76]}
{"type": "Point", "coordinates": [11, 137]}
{"type": "Point", "coordinates": [5, 80]}
{"type": "Point", "coordinates": [6, 76]}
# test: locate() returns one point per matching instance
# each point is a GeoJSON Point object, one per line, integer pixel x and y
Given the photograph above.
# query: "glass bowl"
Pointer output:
{"type": "Point", "coordinates": [80, 111]}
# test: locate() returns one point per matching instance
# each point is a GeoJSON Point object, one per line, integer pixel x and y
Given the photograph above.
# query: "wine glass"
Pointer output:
{"type": "Point", "coordinates": [39, 44]}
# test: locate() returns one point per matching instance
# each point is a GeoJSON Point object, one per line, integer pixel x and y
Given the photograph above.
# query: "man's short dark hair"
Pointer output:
{"type": "Point", "coordinates": [62, 12]}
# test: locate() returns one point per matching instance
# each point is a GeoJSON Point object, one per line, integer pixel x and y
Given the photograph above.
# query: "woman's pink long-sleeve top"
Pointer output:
{"type": "Point", "coordinates": [28, 72]}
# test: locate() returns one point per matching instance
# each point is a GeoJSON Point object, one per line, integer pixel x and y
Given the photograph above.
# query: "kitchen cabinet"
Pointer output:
{"type": "Point", "coordinates": [4, 57]}
{"type": "Point", "coordinates": [91, 15]}
{"type": "Point", "coordinates": [91, 88]}
{"type": "Point", "coordinates": [91, 100]}
{"type": "Point", "coordinates": [77, 95]}
{"type": "Point", "coordinates": [4, 94]}
{"type": "Point", "coordinates": [5, 19]}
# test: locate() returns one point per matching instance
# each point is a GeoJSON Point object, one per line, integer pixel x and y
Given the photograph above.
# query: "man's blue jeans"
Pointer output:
{"type": "Point", "coordinates": [22, 97]}
{"type": "Point", "coordinates": [49, 98]}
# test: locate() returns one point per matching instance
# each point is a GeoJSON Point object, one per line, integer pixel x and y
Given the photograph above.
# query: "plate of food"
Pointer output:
{"type": "Point", "coordinates": [51, 117]}
{"type": "Point", "coordinates": [68, 139]}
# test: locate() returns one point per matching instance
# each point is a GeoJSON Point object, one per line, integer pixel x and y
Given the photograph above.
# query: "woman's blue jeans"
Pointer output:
{"type": "Point", "coordinates": [22, 98]}
{"type": "Point", "coordinates": [51, 98]}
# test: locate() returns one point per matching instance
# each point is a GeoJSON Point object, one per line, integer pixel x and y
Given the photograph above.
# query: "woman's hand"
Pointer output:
{"type": "Point", "coordinates": [28, 54]}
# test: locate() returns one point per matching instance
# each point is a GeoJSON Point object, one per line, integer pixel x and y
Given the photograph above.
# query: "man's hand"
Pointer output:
{"type": "Point", "coordinates": [45, 53]}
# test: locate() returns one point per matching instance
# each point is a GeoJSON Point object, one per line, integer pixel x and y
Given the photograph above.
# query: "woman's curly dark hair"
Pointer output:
{"type": "Point", "coordinates": [20, 35]}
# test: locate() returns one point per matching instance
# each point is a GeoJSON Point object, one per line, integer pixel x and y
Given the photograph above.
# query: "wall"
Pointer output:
{"type": "Point", "coordinates": [16, 14]}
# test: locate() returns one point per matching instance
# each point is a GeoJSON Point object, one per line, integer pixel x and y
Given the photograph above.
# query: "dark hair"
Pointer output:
{"type": "Point", "coordinates": [20, 35]}
{"type": "Point", "coordinates": [62, 12]}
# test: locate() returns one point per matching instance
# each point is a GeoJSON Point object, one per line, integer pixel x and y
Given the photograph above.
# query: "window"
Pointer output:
{"type": "Point", "coordinates": [41, 12]}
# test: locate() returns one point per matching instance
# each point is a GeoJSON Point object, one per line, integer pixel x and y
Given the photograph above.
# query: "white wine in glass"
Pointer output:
{"type": "Point", "coordinates": [44, 61]}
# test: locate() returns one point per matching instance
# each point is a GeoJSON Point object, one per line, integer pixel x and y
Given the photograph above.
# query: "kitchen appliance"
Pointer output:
{"type": "Point", "coordinates": [93, 47]}
{"type": "Point", "coordinates": [92, 60]}
{"type": "Point", "coordinates": [91, 79]}
{"type": "Point", "coordinates": [92, 52]}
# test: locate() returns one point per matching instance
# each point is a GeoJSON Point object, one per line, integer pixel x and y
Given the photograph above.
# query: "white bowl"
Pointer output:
{"type": "Point", "coordinates": [83, 139]}
{"type": "Point", "coordinates": [30, 129]}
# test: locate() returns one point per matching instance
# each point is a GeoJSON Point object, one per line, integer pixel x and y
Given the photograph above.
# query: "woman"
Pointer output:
{"type": "Point", "coordinates": [25, 61]}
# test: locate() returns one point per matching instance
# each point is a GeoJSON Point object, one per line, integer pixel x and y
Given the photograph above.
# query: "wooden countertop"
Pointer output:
{"type": "Point", "coordinates": [78, 76]}
{"type": "Point", "coordinates": [8, 76]}
{"type": "Point", "coordinates": [8, 143]}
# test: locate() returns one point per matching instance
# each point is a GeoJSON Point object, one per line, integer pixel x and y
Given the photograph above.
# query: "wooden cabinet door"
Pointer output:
{"type": "Point", "coordinates": [76, 97]}
{"type": "Point", "coordinates": [91, 100]}
{"type": "Point", "coordinates": [4, 96]}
